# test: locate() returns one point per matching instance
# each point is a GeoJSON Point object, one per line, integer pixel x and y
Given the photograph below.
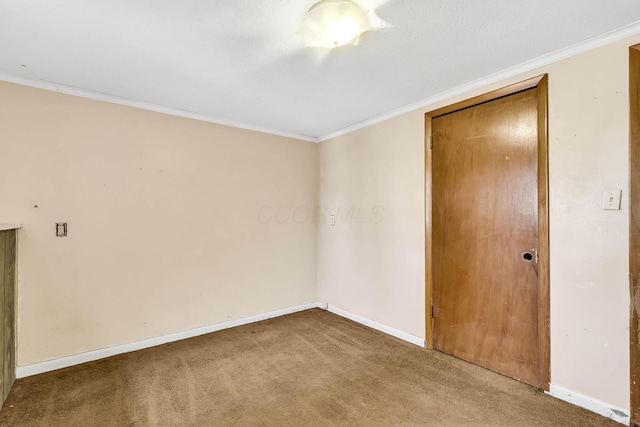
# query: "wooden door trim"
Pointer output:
{"type": "Point", "coordinates": [634, 230]}
{"type": "Point", "coordinates": [541, 84]}
{"type": "Point", "coordinates": [486, 97]}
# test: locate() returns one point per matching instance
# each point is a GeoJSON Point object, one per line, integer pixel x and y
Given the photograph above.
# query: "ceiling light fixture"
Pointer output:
{"type": "Point", "coordinates": [333, 23]}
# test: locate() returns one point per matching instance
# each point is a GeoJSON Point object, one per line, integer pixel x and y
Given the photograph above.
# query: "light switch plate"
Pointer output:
{"type": "Point", "coordinates": [611, 199]}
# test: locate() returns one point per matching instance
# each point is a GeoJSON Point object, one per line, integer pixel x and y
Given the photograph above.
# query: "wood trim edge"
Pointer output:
{"type": "Point", "coordinates": [544, 300]}
{"type": "Point", "coordinates": [428, 215]}
{"type": "Point", "coordinates": [634, 231]}
{"type": "Point", "coordinates": [489, 96]}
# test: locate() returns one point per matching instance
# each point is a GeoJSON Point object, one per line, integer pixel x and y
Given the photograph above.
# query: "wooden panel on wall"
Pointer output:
{"type": "Point", "coordinates": [3, 244]}
{"type": "Point", "coordinates": [634, 229]}
{"type": "Point", "coordinates": [9, 348]}
{"type": "Point", "coordinates": [7, 315]}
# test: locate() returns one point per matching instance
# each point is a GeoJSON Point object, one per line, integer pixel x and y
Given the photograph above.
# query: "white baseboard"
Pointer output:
{"type": "Point", "coordinates": [375, 325]}
{"type": "Point", "coordinates": [77, 359]}
{"type": "Point", "coordinates": [591, 404]}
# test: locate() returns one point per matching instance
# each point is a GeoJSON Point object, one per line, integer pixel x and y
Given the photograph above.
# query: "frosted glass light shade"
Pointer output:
{"type": "Point", "coordinates": [333, 23]}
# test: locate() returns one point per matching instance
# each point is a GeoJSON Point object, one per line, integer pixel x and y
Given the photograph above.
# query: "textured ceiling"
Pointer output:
{"type": "Point", "coordinates": [242, 61]}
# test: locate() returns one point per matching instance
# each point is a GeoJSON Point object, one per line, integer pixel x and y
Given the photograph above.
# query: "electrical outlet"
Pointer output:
{"type": "Point", "coordinates": [332, 220]}
{"type": "Point", "coordinates": [61, 229]}
{"type": "Point", "coordinates": [611, 199]}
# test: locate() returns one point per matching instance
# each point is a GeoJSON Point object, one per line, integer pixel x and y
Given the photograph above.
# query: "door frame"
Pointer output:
{"type": "Point", "coordinates": [541, 84]}
{"type": "Point", "coordinates": [634, 230]}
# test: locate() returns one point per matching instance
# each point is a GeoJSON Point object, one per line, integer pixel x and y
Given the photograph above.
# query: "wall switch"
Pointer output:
{"type": "Point", "coordinates": [61, 229]}
{"type": "Point", "coordinates": [611, 200]}
{"type": "Point", "coordinates": [332, 220]}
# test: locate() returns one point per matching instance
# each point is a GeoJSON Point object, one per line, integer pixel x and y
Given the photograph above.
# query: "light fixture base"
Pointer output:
{"type": "Point", "coordinates": [334, 23]}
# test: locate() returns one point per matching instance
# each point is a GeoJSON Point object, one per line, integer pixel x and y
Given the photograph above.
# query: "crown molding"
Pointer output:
{"type": "Point", "coordinates": [99, 96]}
{"type": "Point", "coordinates": [541, 61]}
{"type": "Point", "coordinates": [510, 72]}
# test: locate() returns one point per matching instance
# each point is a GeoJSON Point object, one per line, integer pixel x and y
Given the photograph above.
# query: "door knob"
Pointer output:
{"type": "Point", "coordinates": [527, 256]}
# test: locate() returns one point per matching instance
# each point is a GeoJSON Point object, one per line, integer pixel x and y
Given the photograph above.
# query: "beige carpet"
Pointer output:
{"type": "Point", "coordinates": [306, 369]}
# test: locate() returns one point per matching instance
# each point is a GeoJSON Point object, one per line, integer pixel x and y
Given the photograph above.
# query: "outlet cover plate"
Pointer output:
{"type": "Point", "coordinates": [61, 229]}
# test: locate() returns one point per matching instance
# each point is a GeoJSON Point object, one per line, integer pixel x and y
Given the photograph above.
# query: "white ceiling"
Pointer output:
{"type": "Point", "coordinates": [241, 61]}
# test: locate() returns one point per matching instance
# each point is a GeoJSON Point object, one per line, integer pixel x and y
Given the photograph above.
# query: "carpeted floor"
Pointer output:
{"type": "Point", "coordinates": [307, 369]}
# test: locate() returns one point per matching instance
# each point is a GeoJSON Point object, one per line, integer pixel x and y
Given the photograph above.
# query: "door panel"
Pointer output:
{"type": "Point", "coordinates": [485, 217]}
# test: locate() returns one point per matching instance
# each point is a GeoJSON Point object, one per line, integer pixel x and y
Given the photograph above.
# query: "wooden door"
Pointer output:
{"type": "Point", "coordinates": [485, 235]}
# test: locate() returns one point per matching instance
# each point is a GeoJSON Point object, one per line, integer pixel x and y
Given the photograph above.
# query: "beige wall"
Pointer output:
{"type": "Point", "coordinates": [375, 269]}
{"type": "Point", "coordinates": [163, 214]}
{"type": "Point", "coordinates": [372, 262]}
{"type": "Point", "coordinates": [175, 224]}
